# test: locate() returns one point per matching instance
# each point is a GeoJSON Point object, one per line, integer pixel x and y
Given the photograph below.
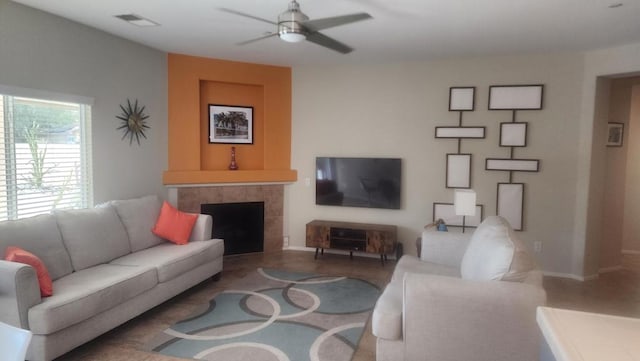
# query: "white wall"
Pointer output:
{"type": "Point", "coordinates": [391, 110]}
{"type": "Point", "coordinates": [44, 52]}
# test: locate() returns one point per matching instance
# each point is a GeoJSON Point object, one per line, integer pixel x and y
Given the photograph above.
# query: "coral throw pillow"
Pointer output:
{"type": "Point", "coordinates": [173, 225]}
{"type": "Point", "coordinates": [16, 254]}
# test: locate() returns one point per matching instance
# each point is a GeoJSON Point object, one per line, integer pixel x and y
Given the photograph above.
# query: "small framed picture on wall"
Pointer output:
{"type": "Point", "coordinates": [615, 133]}
{"type": "Point", "coordinates": [230, 124]}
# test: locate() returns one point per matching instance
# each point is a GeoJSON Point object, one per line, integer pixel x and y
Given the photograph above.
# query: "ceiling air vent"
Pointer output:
{"type": "Point", "coordinates": [136, 20]}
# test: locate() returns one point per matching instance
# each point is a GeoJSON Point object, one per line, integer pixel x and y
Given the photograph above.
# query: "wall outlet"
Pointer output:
{"type": "Point", "coordinates": [285, 242]}
{"type": "Point", "coordinates": [307, 181]}
{"type": "Point", "coordinates": [537, 246]}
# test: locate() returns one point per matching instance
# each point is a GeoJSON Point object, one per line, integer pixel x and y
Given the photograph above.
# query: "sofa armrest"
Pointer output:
{"type": "Point", "coordinates": [19, 291]}
{"type": "Point", "coordinates": [202, 229]}
{"type": "Point", "coordinates": [446, 318]}
{"type": "Point", "coordinates": [446, 248]}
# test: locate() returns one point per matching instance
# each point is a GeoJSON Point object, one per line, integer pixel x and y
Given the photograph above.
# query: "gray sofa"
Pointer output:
{"type": "Point", "coordinates": [107, 267]}
{"type": "Point", "coordinates": [468, 297]}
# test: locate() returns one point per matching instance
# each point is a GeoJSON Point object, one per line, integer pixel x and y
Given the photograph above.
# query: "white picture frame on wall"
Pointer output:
{"type": "Point", "coordinates": [516, 97]}
{"type": "Point", "coordinates": [511, 204]}
{"type": "Point", "coordinates": [462, 98]}
{"type": "Point", "coordinates": [458, 170]}
{"type": "Point", "coordinates": [512, 165]}
{"type": "Point", "coordinates": [460, 132]}
{"type": "Point", "coordinates": [513, 134]}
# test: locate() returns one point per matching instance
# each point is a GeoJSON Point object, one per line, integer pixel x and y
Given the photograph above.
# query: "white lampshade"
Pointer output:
{"type": "Point", "coordinates": [292, 37]}
{"type": "Point", "coordinates": [464, 202]}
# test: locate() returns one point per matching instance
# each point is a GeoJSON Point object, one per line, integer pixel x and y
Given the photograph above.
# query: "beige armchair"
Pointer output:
{"type": "Point", "coordinates": [468, 297]}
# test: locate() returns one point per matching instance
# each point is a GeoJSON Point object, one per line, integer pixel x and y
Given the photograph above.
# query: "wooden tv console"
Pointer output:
{"type": "Point", "coordinates": [359, 237]}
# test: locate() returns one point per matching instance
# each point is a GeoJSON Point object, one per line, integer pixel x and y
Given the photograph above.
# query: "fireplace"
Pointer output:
{"type": "Point", "coordinates": [190, 199]}
{"type": "Point", "coordinates": [241, 225]}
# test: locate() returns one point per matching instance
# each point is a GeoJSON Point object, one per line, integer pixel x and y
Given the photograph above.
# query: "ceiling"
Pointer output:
{"type": "Point", "coordinates": [401, 30]}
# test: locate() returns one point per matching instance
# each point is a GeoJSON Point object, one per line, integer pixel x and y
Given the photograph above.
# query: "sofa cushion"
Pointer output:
{"type": "Point", "coordinates": [495, 253]}
{"type": "Point", "coordinates": [16, 254]}
{"type": "Point", "coordinates": [174, 225]}
{"type": "Point", "coordinates": [139, 215]}
{"type": "Point", "coordinates": [386, 321]}
{"type": "Point", "coordinates": [40, 236]}
{"type": "Point", "coordinates": [86, 293]}
{"type": "Point", "coordinates": [92, 236]}
{"type": "Point", "coordinates": [173, 260]}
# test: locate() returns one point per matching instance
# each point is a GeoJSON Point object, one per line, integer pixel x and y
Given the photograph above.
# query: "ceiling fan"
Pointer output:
{"type": "Point", "coordinates": [294, 26]}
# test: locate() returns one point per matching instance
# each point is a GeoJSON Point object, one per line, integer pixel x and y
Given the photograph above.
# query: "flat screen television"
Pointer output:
{"type": "Point", "coordinates": [359, 182]}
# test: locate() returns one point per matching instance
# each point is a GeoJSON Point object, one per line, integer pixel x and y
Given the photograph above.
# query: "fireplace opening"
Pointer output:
{"type": "Point", "coordinates": [241, 225]}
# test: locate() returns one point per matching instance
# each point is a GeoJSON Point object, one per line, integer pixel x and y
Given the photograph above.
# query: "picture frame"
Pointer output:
{"type": "Point", "coordinates": [447, 213]}
{"type": "Point", "coordinates": [510, 204]}
{"type": "Point", "coordinates": [512, 165]}
{"type": "Point", "coordinates": [458, 173]}
{"type": "Point", "coordinates": [615, 134]}
{"type": "Point", "coordinates": [460, 132]}
{"type": "Point", "coordinates": [230, 124]}
{"type": "Point", "coordinates": [513, 134]}
{"type": "Point", "coordinates": [462, 98]}
{"type": "Point", "coordinates": [516, 97]}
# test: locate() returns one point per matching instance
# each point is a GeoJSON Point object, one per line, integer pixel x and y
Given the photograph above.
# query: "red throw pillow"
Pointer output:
{"type": "Point", "coordinates": [173, 225]}
{"type": "Point", "coordinates": [15, 254]}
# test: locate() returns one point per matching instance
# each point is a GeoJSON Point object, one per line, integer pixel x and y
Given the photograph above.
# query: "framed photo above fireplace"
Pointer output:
{"type": "Point", "coordinates": [230, 124]}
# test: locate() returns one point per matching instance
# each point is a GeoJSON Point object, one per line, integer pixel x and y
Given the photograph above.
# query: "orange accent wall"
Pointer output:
{"type": "Point", "coordinates": [196, 82]}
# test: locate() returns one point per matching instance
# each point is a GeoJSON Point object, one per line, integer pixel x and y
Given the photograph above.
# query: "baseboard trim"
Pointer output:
{"type": "Point", "coordinates": [610, 269]}
{"type": "Point", "coordinates": [570, 276]}
{"type": "Point", "coordinates": [630, 251]}
{"type": "Point", "coordinates": [337, 251]}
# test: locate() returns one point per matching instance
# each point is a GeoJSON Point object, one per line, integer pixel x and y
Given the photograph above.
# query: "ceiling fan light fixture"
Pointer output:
{"type": "Point", "coordinates": [289, 24]}
{"type": "Point", "coordinates": [294, 27]}
{"type": "Point", "coordinates": [292, 37]}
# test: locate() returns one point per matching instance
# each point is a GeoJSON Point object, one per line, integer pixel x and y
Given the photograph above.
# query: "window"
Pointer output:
{"type": "Point", "coordinates": [45, 156]}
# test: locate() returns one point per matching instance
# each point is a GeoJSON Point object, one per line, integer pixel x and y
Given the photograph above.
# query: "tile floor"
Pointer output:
{"type": "Point", "coordinates": [615, 293]}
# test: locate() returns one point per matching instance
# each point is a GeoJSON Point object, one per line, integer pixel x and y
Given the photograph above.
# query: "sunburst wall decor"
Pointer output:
{"type": "Point", "coordinates": [133, 122]}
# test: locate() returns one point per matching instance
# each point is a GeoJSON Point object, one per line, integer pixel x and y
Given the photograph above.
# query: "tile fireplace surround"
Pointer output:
{"type": "Point", "coordinates": [190, 199]}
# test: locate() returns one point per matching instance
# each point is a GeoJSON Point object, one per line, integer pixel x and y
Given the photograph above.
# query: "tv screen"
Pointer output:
{"type": "Point", "coordinates": [358, 182]}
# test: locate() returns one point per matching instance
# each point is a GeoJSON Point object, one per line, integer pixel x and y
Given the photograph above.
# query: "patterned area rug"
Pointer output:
{"type": "Point", "coordinates": [273, 315]}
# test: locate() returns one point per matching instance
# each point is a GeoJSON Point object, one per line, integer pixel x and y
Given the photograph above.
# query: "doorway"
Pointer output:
{"type": "Point", "coordinates": [620, 229]}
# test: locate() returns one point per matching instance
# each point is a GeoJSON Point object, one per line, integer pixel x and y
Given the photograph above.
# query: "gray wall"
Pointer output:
{"type": "Point", "coordinates": [44, 52]}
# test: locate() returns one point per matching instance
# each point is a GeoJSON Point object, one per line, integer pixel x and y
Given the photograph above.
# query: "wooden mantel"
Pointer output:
{"type": "Point", "coordinates": [236, 176]}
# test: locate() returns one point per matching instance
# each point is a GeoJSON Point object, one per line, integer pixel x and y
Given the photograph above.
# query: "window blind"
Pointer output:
{"type": "Point", "coordinates": [45, 156]}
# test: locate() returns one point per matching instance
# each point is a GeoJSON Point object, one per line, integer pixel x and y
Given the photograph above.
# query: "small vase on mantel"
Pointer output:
{"type": "Point", "coordinates": [233, 165]}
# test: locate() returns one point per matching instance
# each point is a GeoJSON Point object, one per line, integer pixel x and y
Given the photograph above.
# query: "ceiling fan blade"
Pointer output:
{"type": "Point", "coordinates": [230, 11]}
{"type": "Point", "coordinates": [325, 23]}
{"type": "Point", "coordinates": [327, 42]}
{"type": "Point", "coordinates": [256, 39]}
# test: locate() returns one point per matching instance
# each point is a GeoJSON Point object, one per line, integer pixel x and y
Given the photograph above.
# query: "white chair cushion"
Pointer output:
{"type": "Point", "coordinates": [40, 236]}
{"type": "Point", "coordinates": [139, 215]}
{"type": "Point", "coordinates": [92, 236]}
{"type": "Point", "coordinates": [172, 260]}
{"type": "Point", "coordinates": [412, 264]}
{"type": "Point", "coordinates": [494, 253]}
{"type": "Point", "coordinates": [84, 294]}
